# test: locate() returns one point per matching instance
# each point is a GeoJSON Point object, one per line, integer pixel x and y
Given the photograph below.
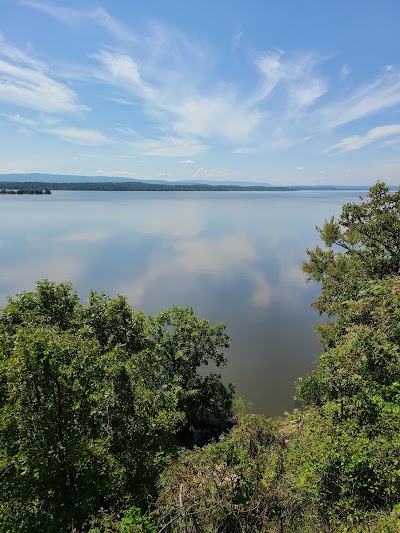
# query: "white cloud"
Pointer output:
{"type": "Point", "coordinates": [382, 93]}
{"type": "Point", "coordinates": [169, 87]}
{"type": "Point", "coordinates": [209, 173]}
{"type": "Point", "coordinates": [81, 136]}
{"type": "Point", "coordinates": [118, 100]}
{"type": "Point", "coordinates": [297, 75]}
{"type": "Point", "coordinates": [168, 79]}
{"type": "Point", "coordinates": [25, 82]}
{"type": "Point", "coordinates": [236, 40]}
{"type": "Point", "coordinates": [125, 130]}
{"type": "Point", "coordinates": [16, 55]}
{"type": "Point", "coordinates": [169, 147]}
{"type": "Point", "coordinates": [393, 142]}
{"type": "Point", "coordinates": [304, 95]}
{"type": "Point", "coordinates": [20, 120]}
{"type": "Point", "coordinates": [345, 71]}
{"type": "Point", "coordinates": [187, 162]}
{"type": "Point", "coordinates": [221, 115]}
{"type": "Point", "coordinates": [244, 151]}
{"type": "Point", "coordinates": [355, 142]}
{"type": "Point", "coordinates": [72, 17]}
{"type": "Point", "coordinates": [269, 65]}
{"type": "Point", "coordinates": [122, 70]}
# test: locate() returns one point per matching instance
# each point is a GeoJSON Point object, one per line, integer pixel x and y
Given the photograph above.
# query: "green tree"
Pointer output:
{"type": "Point", "coordinates": [344, 459]}
{"type": "Point", "coordinates": [88, 415]}
{"type": "Point", "coordinates": [363, 243]}
{"type": "Point", "coordinates": [362, 346]}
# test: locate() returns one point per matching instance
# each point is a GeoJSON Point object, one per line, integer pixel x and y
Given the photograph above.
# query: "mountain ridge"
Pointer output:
{"type": "Point", "coordinates": [68, 178]}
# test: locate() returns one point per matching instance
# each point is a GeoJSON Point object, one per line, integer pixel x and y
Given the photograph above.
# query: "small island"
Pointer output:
{"type": "Point", "coordinates": [25, 191]}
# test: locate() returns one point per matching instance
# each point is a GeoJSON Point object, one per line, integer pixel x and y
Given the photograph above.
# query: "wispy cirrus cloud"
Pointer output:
{"type": "Point", "coordinates": [18, 119]}
{"type": "Point", "coordinates": [175, 103]}
{"type": "Point", "coordinates": [345, 71]}
{"type": "Point", "coordinates": [295, 73]}
{"type": "Point", "coordinates": [169, 147]}
{"type": "Point", "coordinates": [82, 136]}
{"type": "Point", "coordinates": [26, 82]}
{"type": "Point", "coordinates": [72, 17]}
{"type": "Point", "coordinates": [369, 99]}
{"type": "Point", "coordinates": [221, 114]}
{"type": "Point", "coordinates": [123, 71]}
{"type": "Point", "coordinates": [355, 142]}
{"type": "Point", "coordinates": [209, 173]}
{"type": "Point", "coordinates": [53, 126]}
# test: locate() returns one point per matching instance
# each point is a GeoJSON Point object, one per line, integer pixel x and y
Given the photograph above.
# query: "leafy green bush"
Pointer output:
{"type": "Point", "coordinates": [93, 399]}
{"type": "Point", "coordinates": [220, 486]}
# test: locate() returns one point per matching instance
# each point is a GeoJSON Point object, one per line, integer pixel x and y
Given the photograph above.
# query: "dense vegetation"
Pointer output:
{"type": "Point", "coordinates": [25, 191]}
{"type": "Point", "coordinates": [94, 399]}
{"type": "Point", "coordinates": [101, 408]}
{"type": "Point", "coordinates": [134, 186]}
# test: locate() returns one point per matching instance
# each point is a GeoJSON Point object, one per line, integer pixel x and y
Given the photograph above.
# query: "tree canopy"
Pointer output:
{"type": "Point", "coordinates": [93, 399]}
{"type": "Point", "coordinates": [363, 243]}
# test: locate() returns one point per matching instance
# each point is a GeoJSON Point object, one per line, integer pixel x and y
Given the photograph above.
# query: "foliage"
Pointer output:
{"type": "Point", "coordinates": [344, 458]}
{"type": "Point", "coordinates": [220, 486]}
{"type": "Point", "coordinates": [92, 398]}
{"type": "Point", "coordinates": [134, 522]}
{"type": "Point", "coordinates": [337, 472]}
{"type": "Point", "coordinates": [363, 243]}
{"type": "Point", "coordinates": [362, 354]}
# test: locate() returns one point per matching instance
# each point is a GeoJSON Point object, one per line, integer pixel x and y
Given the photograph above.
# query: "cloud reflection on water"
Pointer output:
{"type": "Point", "coordinates": [232, 257]}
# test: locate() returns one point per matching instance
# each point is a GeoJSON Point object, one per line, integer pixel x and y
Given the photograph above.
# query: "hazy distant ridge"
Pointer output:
{"type": "Point", "coordinates": [66, 178]}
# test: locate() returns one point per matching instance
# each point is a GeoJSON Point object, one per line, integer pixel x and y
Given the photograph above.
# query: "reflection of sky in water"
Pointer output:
{"type": "Point", "coordinates": [234, 257]}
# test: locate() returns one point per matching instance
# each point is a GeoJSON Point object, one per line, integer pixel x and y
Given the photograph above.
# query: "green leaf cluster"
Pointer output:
{"type": "Point", "coordinates": [93, 401]}
{"type": "Point", "coordinates": [363, 243]}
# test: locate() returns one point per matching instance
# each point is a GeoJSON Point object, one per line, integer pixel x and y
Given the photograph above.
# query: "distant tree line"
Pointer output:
{"type": "Point", "coordinates": [25, 191]}
{"type": "Point", "coordinates": [134, 186]}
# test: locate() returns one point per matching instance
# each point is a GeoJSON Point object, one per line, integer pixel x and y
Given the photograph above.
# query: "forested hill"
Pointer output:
{"type": "Point", "coordinates": [132, 186]}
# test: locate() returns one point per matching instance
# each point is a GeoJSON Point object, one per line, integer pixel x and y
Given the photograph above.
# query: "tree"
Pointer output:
{"type": "Point", "coordinates": [345, 458]}
{"type": "Point", "coordinates": [362, 354]}
{"type": "Point", "coordinates": [92, 398]}
{"type": "Point", "coordinates": [363, 243]}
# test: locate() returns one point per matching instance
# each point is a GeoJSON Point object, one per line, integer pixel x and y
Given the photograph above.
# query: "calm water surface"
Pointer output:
{"type": "Point", "coordinates": [233, 256]}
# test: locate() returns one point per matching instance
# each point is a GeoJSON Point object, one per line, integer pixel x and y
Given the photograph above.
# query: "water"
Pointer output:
{"type": "Point", "coordinates": [234, 257]}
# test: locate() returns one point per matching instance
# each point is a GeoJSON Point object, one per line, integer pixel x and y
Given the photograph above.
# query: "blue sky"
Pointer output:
{"type": "Point", "coordinates": [262, 91]}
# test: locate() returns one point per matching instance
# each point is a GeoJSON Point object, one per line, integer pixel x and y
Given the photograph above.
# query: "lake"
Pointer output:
{"type": "Point", "coordinates": [234, 257]}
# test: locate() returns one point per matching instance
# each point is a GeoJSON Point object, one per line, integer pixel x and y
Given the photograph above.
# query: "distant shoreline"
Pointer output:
{"type": "Point", "coordinates": [135, 186]}
{"type": "Point", "coordinates": [35, 186]}
{"type": "Point", "coordinates": [109, 182]}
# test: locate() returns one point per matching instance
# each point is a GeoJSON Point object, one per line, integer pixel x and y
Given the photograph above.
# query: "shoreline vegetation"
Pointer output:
{"type": "Point", "coordinates": [14, 190]}
{"type": "Point", "coordinates": [124, 186]}
{"type": "Point", "coordinates": [108, 426]}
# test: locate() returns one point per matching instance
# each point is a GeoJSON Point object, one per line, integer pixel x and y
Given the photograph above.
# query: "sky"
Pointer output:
{"type": "Point", "coordinates": [262, 91]}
